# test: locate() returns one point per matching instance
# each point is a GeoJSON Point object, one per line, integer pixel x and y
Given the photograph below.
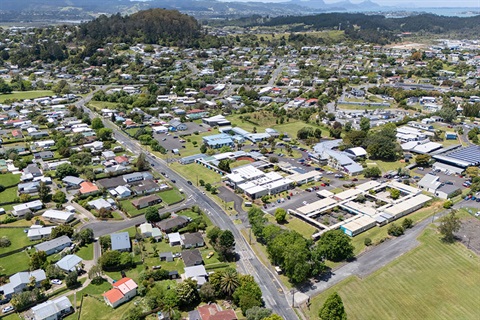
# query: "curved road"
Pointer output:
{"type": "Point", "coordinates": [273, 294]}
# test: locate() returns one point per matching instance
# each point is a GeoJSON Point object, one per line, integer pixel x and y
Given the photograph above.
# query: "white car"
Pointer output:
{"type": "Point", "coordinates": [56, 281]}
{"type": "Point", "coordinates": [305, 203]}
{"type": "Point", "coordinates": [7, 309]}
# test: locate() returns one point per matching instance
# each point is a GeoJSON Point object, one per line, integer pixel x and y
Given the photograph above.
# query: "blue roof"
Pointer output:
{"type": "Point", "coordinates": [120, 241]}
{"type": "Point", "coordinates": [218, 139]}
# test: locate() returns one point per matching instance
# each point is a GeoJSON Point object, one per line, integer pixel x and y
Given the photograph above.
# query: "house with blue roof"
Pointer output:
{"type": "Point", "coordinates": [218, 140]}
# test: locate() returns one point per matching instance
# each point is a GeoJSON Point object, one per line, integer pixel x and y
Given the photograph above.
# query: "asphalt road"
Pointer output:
{"type": "Point", "coordinates": [248, 263]}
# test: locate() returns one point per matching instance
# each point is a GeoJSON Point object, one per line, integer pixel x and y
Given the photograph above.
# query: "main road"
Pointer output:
{"type": "Point", "coordinates": [273, 293]}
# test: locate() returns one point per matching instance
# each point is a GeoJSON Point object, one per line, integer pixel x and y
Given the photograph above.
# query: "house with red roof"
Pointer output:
{"type": "Point", "coordinates": [122, 160]}
{"type": "Point", "coordinates": [87, 188]}
{"type": "Point", "coordinates": [212, 312]}
{"type": "Point", "coordinates": [123, 290]}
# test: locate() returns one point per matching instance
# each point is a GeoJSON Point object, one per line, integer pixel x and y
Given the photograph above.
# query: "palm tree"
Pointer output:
{"type": "Point", "coordinates": [229, 282]}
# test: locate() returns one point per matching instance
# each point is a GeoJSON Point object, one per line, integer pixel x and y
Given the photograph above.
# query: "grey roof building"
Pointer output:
{"type": "Point", "coordinates": [69, 262]}
{"type": "Point", "coordinates": [121, 241]}
{"type": "Point", "coordinates": [54, 245]}
{"type": "Point", "coordinates": [20, 280]}
{"type": "Point", "coordinates": [192, 257]}
{"type": "Point", "coordinates": [52, 309]}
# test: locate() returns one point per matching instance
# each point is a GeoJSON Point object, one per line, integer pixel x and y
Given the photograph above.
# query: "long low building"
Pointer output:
{"type": "Point", "coordinates": [58, 216]}
{"type": "Point", "coordinates": [317, 206]}
{"type": "Point", "coordinates": [407, 206]}
{"type": "Point", "coordinates": [358, 226]}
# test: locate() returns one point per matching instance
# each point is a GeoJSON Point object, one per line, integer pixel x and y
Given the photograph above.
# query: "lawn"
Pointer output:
{"type": "Point", "coordinates": [21, 95]}
{"type": "Point", "coordinates": [295, 224]}
{"type": "Point", "coordinates": [195, 172]}
{"type": "Point", "coordinates": [387, 166]}
{"type": "Point", "coordinates": [171, 196]}
{"type": "Point", "coordinates": [14, 263]}
{"type": "Point", "coordinates": [86, 252]}
{"type": "Point", "coordinates": [9, 179]}
{"type": "Point", "coordinates": [131, 211]}
{"type": "Point", "coordinates": [17, 237]}
{"type": "Point", "coordinates": [193, 215]}
{"type": "Point", "coordinates": [378, 234]}
{"type": "Point", "coordinates": [239, 163]}
{"type": "Point", "coordinates": [8, 195]}
{"type": "Point", "coordinates": [434, 281]}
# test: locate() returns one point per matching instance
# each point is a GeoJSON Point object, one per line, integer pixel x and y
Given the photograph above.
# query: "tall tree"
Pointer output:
{"type": "Point", "coordinates": [229, 281]}
{"type": "Point", "coordinates": [44, 192]}
{"type": "Point", "coordinates": [365, 124]}
{"type": "Point", "coordinates": [142, 163]}
{"type": "Point", "coordinates": [333, 308]}
{"type": "Point", "coordinates": [335, 245]}
{"type": "Point", "coordinates": [448, 225]}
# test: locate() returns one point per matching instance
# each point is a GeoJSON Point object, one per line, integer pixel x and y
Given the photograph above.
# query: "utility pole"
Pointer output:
{"type": "Point", "coordinates": [293, 297]}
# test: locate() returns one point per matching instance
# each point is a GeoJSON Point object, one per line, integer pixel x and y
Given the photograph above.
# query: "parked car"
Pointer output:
{"type": "Point", "coordinates": [8, 309]}
{"type": "Point", "coordinates": [56, 281]}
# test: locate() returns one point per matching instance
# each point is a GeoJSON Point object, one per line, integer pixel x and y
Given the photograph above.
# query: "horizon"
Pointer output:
{"type": "Point", "coordinates": [394, 3]}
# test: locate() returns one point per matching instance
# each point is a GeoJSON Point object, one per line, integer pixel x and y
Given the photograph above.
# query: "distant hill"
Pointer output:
{"type": "Point", "coordinates": [153, 26]}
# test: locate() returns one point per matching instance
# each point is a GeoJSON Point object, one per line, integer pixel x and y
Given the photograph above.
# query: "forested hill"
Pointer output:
{"type": "Point", "coordinates": [154, 26]}
{"type": "Point", "coordinates": [424, 22]}
{"type": "Point", "coordinates": [377, 28]}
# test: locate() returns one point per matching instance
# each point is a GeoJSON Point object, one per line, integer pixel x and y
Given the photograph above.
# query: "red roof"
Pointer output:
{"type": "Point", "coordinates": [87, 187]}
{"type": "Point", "coordinates": [121, 281]}
{"type": "Point", "coordinates": [213, 312]}
{"type": "Point", "coordinates": [113, 295]}
{"type": "Point", "coordinates": [195, 111]}
{"type": "Point", "coordinates": [121, 159]}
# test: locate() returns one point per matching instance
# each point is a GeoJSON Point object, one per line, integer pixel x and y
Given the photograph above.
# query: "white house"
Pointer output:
{"type": "Point", "coordinates": [58, 216]}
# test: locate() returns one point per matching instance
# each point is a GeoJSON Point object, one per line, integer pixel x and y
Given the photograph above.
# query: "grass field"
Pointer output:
{"type": "Point", "coordinates": [171, 196]}
{"type": "Point", "coordinates": [9, 179]}
{"type": "Point", "coordinates": [17, 237]}
{"type": "Point", "coordinates": [239, 163]}
{"type": "Point", "coordinates": [21, 95]}
{"type": "Point", "coordinates": [86, 252]}
{"type": "Point", "coordinates": [295, 224]}
{"type": "Point", "coordinates": [434, 281]}
{"type": "Point", "coordinates": [14, 263]}
{"type": "Point", "coordinates": [195, 172]}
{"type": "Point", "coordinates": [8, 195]}
{"type": "Point", "coordinates": [386, 166]}
{"type": "Point", "coordinates": [131, 211]}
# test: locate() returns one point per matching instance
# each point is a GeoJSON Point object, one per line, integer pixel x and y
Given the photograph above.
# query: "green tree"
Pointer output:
{"type": "Point", "coordinates": [71, 280]}
{"type": "Point", "coordinates": [280, 215]}
{"type": "Point", "coordinates": [335, 245]}
{"type": "Point", "coordinates": [422, 160]}
{"type": "Point", "coordinates": [448, 204]}
{"type": "Point", "coordinates": [258, 313]}
{"type": "Point", "coordinates": [365, 124]}
{"type": "Point", "coordinates": [187, 293]}
{"type": "Point", "coordinates": [59, 197]}
{"type": "Point", "coordinates": [224, 165]}
{"type": "Point", "coordinates": [64, 170]}
{"type": "Point", "coordinates": [372, 172]}
{"type": "Point", "coordinates": [97, 123]}
{"type": "Point", "coordinates": [273, 317]}
{"type": "Point", "coordinates": [333, 308]}
{"type": "Point", "coordinates": [395, 230]}
{"type": "Point", "coordinates": [142, 164]}
{"type": "Point", "coordinates": [44, 192]}
{"type": "Point", "coordinates": [229, 282]}
{"type": "Point", "coordinates": [449, 225]}
{"type": "Point", "coordinates": [85, 236]}
{"type": "Point", "coordinates": [394, 193]}
{"type": "Point", "coordinates": [225, 244]}
{"type": "Point", "coordinates": [207, 292]}
{"type": "Point", "coordinates": [104, 134]}
{"type": "Point", "coordinates": [151, 215]}
{"type": "Point", "coordinates": [62, 230]}
{"type": "Point", "coordinates": [37, 260]}
{"type": "Point", "coordinates": [5, 242]}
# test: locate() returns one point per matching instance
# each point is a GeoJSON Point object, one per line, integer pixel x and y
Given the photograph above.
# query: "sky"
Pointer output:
{"type": "Point", "coordinates": [422, 3]}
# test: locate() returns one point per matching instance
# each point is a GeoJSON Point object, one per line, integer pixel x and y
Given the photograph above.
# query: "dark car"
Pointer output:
{"type": "Point", "coordinates": [163, 173]}
{"type": "Point", "coordinates": [174, 181]}
{"type": "Point", "coordinates": [189, 182]}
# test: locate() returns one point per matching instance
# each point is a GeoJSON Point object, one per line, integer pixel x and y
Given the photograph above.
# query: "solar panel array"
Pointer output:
{"type": "Point", "coordinates": [469, 154]}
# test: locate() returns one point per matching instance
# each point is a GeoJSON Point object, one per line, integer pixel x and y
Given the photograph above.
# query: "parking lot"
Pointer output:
{"type": "Point", "coordinates": [172, 139]}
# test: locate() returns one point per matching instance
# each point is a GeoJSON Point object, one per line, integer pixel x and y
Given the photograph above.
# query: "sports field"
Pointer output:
{"type": "Point", "coordinates": [434, 281]}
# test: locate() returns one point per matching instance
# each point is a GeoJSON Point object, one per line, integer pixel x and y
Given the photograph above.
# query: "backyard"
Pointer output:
{"type": "Point", "coordinates": [14, 263]}
{"type": "Point", "coordinates": [425, 283]}
{"type": "Point", "coordinates": [17, 237]}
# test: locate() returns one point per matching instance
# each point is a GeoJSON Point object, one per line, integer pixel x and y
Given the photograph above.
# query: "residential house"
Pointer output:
{"type": "Point", "coordinates": [101, 203]}
{"type": "Point", "coordinates": [146, 229]}
{"type": "Point", "coordinates": [174, 239]}
{"type": "Point", "coordinates": [55, 309]}
{"type": "Point", "coordinates": [38, 232]}
{"type": "Point", "coordinates": [69, 263]}
{"type": "Point", "coordinates": [88, 188]}
{"type": "Point", "coordinates": [58, 216]}
{"type": "Point", "coordinates": [121, 192]}
{"type": "Point", "coordinates": [21, 209]}
{"type": "Point", "coordinates": [197, 273]}
{"type": "Point", "coordinates": [123, 290]}
{"type": "Point", "coordinates": [166, 256]}
{"type": "Point", "coordinates": [146, 187]}
{"type": "Point", "coordinates": [19, 281]}
{"type": "Point", "coordinates": [173, 223]}
{"type": "Point", "coordinates": [121, 241]}
{"type": "Point", "coordinates": [54, 245]}
{"type": "Point", "coordinates": [72, 182]}
{"type": "Point", "coordinates": [108, 155]}
{"type": "Point", "coordinates": [192, 257]}
{"type": "Point", "coordinates": [146, 201]}
{"type": "Point", "coordinates": [192, 240]}
{"type": "Point", "coordinates": [122, 160]}
{"type": "Point", "coordinates": [212, 311]}
{"type": "Point", "coordinates": [44, 155]}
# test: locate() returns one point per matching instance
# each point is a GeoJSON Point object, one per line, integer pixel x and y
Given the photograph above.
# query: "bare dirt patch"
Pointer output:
{"type": "Point", "coordinates": [469, 234]}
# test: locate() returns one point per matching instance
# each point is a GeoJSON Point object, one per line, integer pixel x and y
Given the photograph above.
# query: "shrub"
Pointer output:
{"type": "Point", "coordinates": [448, 204]}
{"type": "Point", "coordinates": [367, 242]}
{"type": "Point", "coordinates": [395, 230]}
{"type": "Point", "coordinates": [407, 223]}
